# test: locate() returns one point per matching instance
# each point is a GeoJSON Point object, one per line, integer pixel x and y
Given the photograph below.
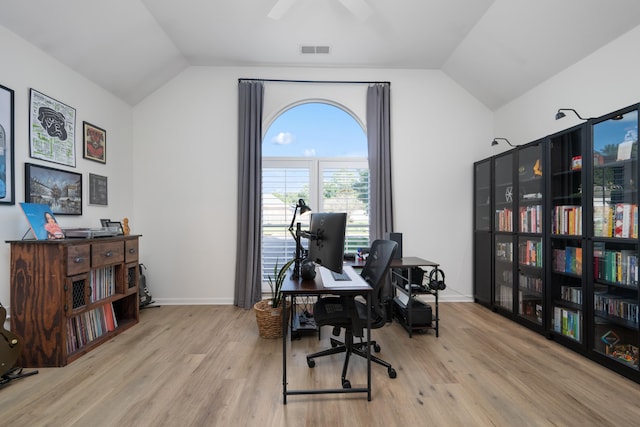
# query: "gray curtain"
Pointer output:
{"type": "Point", "coordinates": [248, 287]}
{"type": "Point", "coordinates": [379, 142]}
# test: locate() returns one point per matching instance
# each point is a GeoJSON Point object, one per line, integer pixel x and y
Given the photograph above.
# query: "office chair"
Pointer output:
{"type": "Point", "coordinates": [348, 313]}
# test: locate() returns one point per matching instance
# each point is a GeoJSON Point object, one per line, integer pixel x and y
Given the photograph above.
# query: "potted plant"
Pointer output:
{"type": "Point", "coordinates": [269, 312]}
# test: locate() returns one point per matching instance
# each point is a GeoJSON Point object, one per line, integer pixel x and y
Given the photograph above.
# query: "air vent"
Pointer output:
{"type": "Point", "coordinates": [315, 50]}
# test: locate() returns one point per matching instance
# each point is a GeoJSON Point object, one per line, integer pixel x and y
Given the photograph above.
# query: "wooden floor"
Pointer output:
{"type": "Point", "coordinates": [207, 366]}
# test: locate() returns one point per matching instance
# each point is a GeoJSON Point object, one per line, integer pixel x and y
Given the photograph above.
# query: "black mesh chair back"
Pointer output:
{"type": "Point", "coordinates": [375, 272]}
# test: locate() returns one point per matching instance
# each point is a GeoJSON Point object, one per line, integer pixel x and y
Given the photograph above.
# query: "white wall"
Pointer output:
{"type": "Point", "coordinates": [186, 165]}
{"type": "Point", "coordinates": [603, 82]}
{"type": "Point", "coordinates": [24, 67]}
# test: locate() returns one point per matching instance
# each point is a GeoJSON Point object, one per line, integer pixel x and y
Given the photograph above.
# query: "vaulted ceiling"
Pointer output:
{"type": "Point", "coordinates": [496, 49]}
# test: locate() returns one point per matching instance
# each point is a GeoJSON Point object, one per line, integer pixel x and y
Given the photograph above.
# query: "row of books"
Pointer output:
{"type": "Point", "coordinates": [530, 308]}
{"type": "Point", "coordinates": [530, 253]}
{"type": "Point", "coordinates": [531, 219]}
{"type": "Point", "coordinates": [616, 306]}
{"type": "Point", "coordinates": [530, 283]}
{"type": "Point", "coordinates": [504, 219]}
{"type": "Point", "coordinates": [568, 260]}
{"type": "Point", "coordinates": [504, 251]}
{"type": "Point", "coordinates": [87, 326]}
{"type": "Point", "coordinates": [571, 294]}
{"type": "Point", "coordinates": [616, 220]}
{"type": "Point", "coordinates": [567, 322]}
{"type": "Point", "coordinates": [102, 282]}
{"type": "Point", "coordinates": [504, 297]}
{"type": "Point", "coordinates": [617, 267]}
{"type": "Point", "coordinates": [567, 220]}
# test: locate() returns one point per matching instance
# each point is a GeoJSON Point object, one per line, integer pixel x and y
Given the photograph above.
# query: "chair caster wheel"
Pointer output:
{"type": "Point", "coordinates": [376, 348]}
{"type": "Point", "coordinates": [346, 384]}
{"type": "Point", "coordinates": [392, 373]}
{"type": "Point", "coordinates": [311, 363]}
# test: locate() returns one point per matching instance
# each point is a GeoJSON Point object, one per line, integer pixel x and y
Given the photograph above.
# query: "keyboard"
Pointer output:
{"type": "Point", "coordinates": [340, 277]}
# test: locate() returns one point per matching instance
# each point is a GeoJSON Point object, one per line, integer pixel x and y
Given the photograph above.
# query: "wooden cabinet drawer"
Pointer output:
{"type": "Point", "coordinates": [78, 259]}
{"type": "Point", "coordinates": [131, 250]}
{"type": "Point", "coordinates": [107, 253]}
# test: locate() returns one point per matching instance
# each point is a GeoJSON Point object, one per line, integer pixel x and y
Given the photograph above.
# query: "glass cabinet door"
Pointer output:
{"type": "Point", "coordinates": [503, 232]}
{"type": "Point", "coordinates": [615, 238]}
{"type": "Point", "coordinates": [529, 228]}
{"type": "Point", "coordinates": [567, 243]}
{"type": "Point", "coordinates": [482, 196]}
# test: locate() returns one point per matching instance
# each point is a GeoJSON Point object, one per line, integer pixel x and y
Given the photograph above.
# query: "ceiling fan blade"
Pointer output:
{"type": "Point", "coordinates": [359, 8]}
{"type": "Point", "coordinates": [280, 8]}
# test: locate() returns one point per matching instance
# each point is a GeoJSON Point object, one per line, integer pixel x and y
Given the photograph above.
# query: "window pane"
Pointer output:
{"type": "Point", "coordinates": [315, 130]}
{"type": "Point", "coordinates": [347, 190]}
{"type": "Point", "coordinates": [281, 189]}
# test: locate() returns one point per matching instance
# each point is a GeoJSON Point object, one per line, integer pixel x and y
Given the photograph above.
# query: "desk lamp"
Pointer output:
{"type": "Point", "coordinates": [297, 233]}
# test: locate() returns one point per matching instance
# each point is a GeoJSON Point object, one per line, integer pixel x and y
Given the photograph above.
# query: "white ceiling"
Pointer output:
{"type": "Point", "coordinates": [495, 49]}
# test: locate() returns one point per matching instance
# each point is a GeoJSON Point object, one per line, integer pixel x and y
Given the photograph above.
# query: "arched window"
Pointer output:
{"type": "Point", "coordinates": [314, 151]}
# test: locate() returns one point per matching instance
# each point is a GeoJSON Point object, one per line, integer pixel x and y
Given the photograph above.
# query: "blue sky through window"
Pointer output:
{"type": "Point", "coordinates": [315, 130]}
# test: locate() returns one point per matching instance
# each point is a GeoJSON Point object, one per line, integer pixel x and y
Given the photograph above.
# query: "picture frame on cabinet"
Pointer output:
{"type": "Point", "coordinates": [52, 130]}
{"type": "Point", "coordinates": [7, 175]}
{"type": "Point", "coordinates": [118, 225]}
{"type": "Point", "coordinates": [98, 194]}
{"type": "Point", "coordinates": [59, 189]}
{"type": "Point", "coordinates": [94, 142]}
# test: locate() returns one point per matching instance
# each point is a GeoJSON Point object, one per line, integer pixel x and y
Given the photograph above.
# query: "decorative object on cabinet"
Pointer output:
{"type": "Point", "coordinates": [61, 190]}
{"type": "Point", "coordinates": [94, 142]}
{"type": "Point", "coordinates": [495, 141]}
{"type": "Point", "coordinates": [52, 130]}
{"type": "Point", "coordinates": [42, 221]}
{"type": "Point", "coordinates": [69, 296]}
{"type": "Point", "coordinates": [98, 194]}
{"type": "Point", "coordinates": [7, 175]}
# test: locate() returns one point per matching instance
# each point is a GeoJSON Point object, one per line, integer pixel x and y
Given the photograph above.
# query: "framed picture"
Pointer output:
{"type": "Point", "coordinates": [7, 186]}
{"type": "Point", "coordinates": [60, 190]}
{"type": "Point", "coordinates": [95, 142]}
{"type": "Point", "coordinates": [52, 130]}
{"type": "Point", "coordinates": [116, 224]}
{"type": "Point", "coordinates": [105, 222]}
{"type": "Point", "coordinates": [98, 190]}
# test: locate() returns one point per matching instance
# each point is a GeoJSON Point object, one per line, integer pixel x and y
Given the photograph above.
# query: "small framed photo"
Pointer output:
{"type": "Point", "coordinates": [116, 224]}
{"type": "Point", "coordinates": [60, 190]}
{"type": "Point", "coordinates": [98, 190]}
{"type": "Point", "coordinates": [95, 142]}
{"type": "Point", "coordinates": [105, 222]}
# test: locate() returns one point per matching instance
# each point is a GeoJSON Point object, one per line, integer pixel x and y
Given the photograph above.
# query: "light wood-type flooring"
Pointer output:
{"type": "Point", "coordinates": [207, 366]}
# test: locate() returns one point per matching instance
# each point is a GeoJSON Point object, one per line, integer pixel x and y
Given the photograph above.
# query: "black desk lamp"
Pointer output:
{"type": "Point", "coordinates": [297, 233]}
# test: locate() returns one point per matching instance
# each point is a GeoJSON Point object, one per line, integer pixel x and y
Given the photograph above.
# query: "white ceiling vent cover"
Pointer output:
{"type": "Point", "coordinates": [306, 49]}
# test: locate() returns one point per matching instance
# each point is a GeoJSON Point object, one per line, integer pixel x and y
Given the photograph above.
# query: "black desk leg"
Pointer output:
{"type": "Point", "coordinates": [284, 351]}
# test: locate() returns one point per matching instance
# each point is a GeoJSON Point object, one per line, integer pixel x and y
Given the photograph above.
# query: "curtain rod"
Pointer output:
{"type": "Point", "coordinates": [311, 81]}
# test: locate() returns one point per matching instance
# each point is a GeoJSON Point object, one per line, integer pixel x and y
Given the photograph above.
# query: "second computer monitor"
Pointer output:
{"type": "Point", "coordinates": [326, 246]}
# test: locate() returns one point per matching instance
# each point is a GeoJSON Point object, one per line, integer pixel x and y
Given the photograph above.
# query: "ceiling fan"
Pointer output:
{"type": "Point", "coordinates": [359, 8]}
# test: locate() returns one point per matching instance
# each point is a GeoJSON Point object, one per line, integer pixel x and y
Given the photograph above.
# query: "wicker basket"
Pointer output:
{"type": "Point", "coordinates": [269, 319]}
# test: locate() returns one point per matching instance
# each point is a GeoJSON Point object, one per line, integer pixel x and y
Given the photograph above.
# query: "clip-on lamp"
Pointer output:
{"type": "Point", "coordinates": [297, 234]}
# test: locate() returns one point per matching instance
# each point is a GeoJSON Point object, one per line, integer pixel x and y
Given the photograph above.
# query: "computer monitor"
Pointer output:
{"type": "Point", "coordinates": [326, 244]}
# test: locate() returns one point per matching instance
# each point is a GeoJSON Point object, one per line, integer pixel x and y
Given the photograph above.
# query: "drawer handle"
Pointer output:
{"type": "Point", "coordinates": [78, 260]}
{"type": "Point", "coordinates": [132, 251]}
{"type": "Point", "coordinates": [108, 254]}
{"type": "Point", "coordinates": [66, 307]}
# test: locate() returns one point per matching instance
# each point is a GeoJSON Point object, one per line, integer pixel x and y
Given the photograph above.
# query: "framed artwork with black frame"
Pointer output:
{"type": "Point", "coordinates": [95, 142]}
{"type": "Point", "coordinates": [60, 190]}
{"type": "Point", "coordinates": [98, 194]}
{"type": "Point", "coordinates": [7, 183]}
{"type": "Point", "coordinates": [52, 130]}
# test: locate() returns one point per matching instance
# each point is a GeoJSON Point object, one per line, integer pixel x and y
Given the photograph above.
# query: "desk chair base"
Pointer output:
{"type": "Point", "coordinates": [353, 348]}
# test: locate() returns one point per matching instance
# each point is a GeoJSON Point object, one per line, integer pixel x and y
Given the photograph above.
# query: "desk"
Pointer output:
{"type": "Point", "coordinates": [407, 263]}
{"type": "Point", "coordinates": [291, 288]}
